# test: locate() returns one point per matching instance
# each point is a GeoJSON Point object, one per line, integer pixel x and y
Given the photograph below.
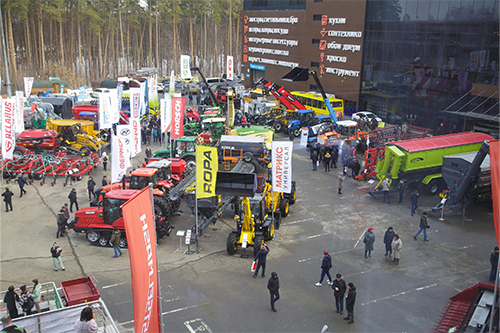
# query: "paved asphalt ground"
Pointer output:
{"type": "Point", "coordinates": [214, 292]}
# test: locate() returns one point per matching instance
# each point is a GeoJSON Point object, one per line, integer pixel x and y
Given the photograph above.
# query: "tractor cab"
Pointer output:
{"type": "Point", "coordinates": [184, 146]}
{"type": "Point", "coordinates": [111, 206]}
{"type": "Point", "coordinates": [347, 130]}
{"type": "Point", "coordinates": [140, 178]}
{"type": "Point", "coordinates": [304, 119]}
{"type": "Point", "coordinates": [214, 125]}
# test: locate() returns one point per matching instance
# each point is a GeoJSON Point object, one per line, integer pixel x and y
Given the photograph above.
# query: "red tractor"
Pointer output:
{"type": "Point", "coordinates": [39, 139]}
{"type": "Point", "coordinates": [98, 222]}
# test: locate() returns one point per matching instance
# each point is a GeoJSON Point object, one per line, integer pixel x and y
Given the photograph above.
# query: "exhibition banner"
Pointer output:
{"type": "Point", "coordinates": [495, 184]}
{"type": "Point", "coordinates": [120, 161]}
{"type": "Point", "coordinates": [8, 124]}
{"type": "Point", "coordinates": [171, 89]}
{"type": "Point", "coordinates": [141, 242]}
{"type": "Point", "coordinates": [120, 95]}
{"type": "Point", "coordinates": [124, 132]}
{"type": "Point", "coordinates": [135, 102]}
{"type": "Point", "coordinates": [28, 85]}
{"type": "Point", "coordinates": [282, 166]}
{"type": "Point", "coordinates": [178, 105]}
{"type": "Point", "coordinates": [304, 133]}
{"type": "Point", "coordinates": [185, 69]}
{"type": "Point", "coordinates": [19, 115]}
{"type": "Point", "coordinates": [230, 67]}
{"type": "Point", "coordinates": [144, 103]}
{"type": "Point", "coordinates": [105, 116]}
{"type": "Point", "coordinates": [114, 108]}
{"type": "Point", "coordinates": [166, 113]}
{"type": "Point", "coordinates": [207, 165]}
{"type": "Point", "coordinates": [136, 136]}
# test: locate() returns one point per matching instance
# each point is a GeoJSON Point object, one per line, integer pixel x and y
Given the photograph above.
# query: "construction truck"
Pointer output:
{"type": "Point", "coordinates": [420, 161]}
{"type": "Point", "coordinates": [77, 134]}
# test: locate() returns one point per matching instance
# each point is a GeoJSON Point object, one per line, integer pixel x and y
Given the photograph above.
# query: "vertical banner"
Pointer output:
{"type": "Point", "coordinates": [119, 159]}
{"type": "Point", "coordinates": [8, 136]}
{"type": "Point", "coordinates": [19, 114]}
{"type": "Point", "coordinates": [166, 113]}
{"type": "Point", "coordinates": [104, 111]}
{"type": "Point", "coordinates": [282, 166]}
{"type": "Point", "coordinates": [144, 104]}
{"type": "Point", "coordinates": [136, 136]}
{"type": "Point", "coordinates": [185, 69]}
{"type": "Point", "coordinates": [495, 184]}
{"type": "Point", "coordinates": [114, 108]}
{"type": "Point", "coordinates": [171, 89]}
{"type": "Point", "coordinates": [120, 95]}
{"type": "Point", "coordinates": [140, 229]}
{"type": "Point", "coordinates": [207, 165]}
{"type": "Point", "coordinates": [124, 132]}
{"type": "Point", "coordinates": [28, 85]}
{"type": "Point", "coordinates": [304, 133]}
{"type": "Point", "coordinates": [178, 105]}
{"type": "Point", "coordinates": [230, 68]}
{"type": "Point", "coordinates": [135, 102]}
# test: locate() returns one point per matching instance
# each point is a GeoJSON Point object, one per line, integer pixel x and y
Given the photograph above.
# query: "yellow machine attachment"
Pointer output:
{"type": "Point", "coordinates": [77, 134]}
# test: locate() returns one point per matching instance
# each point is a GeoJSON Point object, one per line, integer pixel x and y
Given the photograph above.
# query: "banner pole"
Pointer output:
{"type": "Point", "coordinates": [157, 263]}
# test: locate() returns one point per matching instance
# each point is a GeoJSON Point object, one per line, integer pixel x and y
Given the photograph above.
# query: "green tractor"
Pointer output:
{"type": "Point", "coordinates": [184, 148]}
{"type": "Point", "coordinates": [213, 125]}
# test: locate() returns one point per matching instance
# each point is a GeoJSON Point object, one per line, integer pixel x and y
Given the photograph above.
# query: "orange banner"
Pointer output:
{"type": "Point", "coordinates": [495, 181]}
{"type": "Point", "coordinates": [141, 239]}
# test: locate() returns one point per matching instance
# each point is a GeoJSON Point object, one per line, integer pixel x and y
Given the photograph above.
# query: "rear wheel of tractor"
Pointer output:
{"type": "Point", "coordinates": [257, 244]}
{"type": "Point", "coordinates": [296, 132]}
{"type": "Point", "coordinates": [190, 162]}
{"type": "Point", "coordinates": [123, 241]}
{"type": "Point", "coordinates": [92, 235]}
{"type": "Point", "coordinates": [278, 127]}
{"type": "Point", "coordinates": [248, 157]}
{"type": "Point", "coordinates": [284, 207]}
{"type": "Point", "coordinates": [293, 195]}
{"type": "Point", "coordinates": [270, 232]}
{"type": "Point", "coordinates": [231, 243]}
{"type": "Point", "coordinates": [104, 241]}
{"type": "Point", "coordinates": [161, 206]}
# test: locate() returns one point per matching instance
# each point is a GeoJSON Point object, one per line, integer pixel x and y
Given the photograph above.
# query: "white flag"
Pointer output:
{"type": "Point", "coordinates": [282, 166]}
{"type": "Point", "coordinates": [144, 103]}
{"type": "Point", "coordinates": [119, 159]}
{"type": "Point", "coordinates": [230, 67]}
{"type": "Point", "coordinates": [105, 117]}
{"type": "Point", "coordinates": [8, 136]}
{"type": "Point", "coordinates": [166, 113]}
{"type": "Point", "coordinates": [28, 85]}
{"type": "Point", "coordinates": [304, 133]}
{"type": "Point", "coordinates": [135, 102]}
{"type": "Point", "coordinates": [19, 116]}
{"type": "Point", "coordinates": [124, 132]}
{"type": "Point", "coordinates": [136, 136]}
{"type": "Point", "coordinates": [185, 69]}
{"type": "Point", "coordinates": [115, 112]}
{"type": "Point", "coordinates": [171, 88]}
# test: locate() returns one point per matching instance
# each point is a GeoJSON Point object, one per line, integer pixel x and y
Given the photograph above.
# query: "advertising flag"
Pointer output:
{"type": "Point", "coordinates": [124, 132]}
{"type": "Point", "coordinates": [144, 100]}
{"type": "Point", "coordinates": [105, 116]}
{"type": "Point", "coordinates": [140, 229]}
{"type": "Point", "coordinates": [495, 184]}
{"type": "Point", "coordinates": [28, 85]}
{"type": "Point", "coordinates": [120, 95]}
{"type": "Point", "coordinates": [178, 105]}
{"type": "Point", "coordinates": [115, 111]}
{"type": "Point", "coordinates": [8, 136]}
{"type": "Point", "coordinates": [282, 166]}
{"type": "Point", "coordinates": [166, 113]}
{"type": "Point", "coordinates": [19, 116]}
{"type": "Point", "coordinates": [207, 166]}
{"type": "Point", "coordinates": [135, 102]}
{"type": "Point", "coordinates": [119, 159]}
{"type": "Point", "coordinates": [171, 89]}
{"type": "Point", "coordinates": [185, 69]}
{"type": "Point", "coordinates": [303, 137]}
{"type": "Point", "coordinates": [230, 68]}
{"type": "Point", "coordinates": [136, 136]}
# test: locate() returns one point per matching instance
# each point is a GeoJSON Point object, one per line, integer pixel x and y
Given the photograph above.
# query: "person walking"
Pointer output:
{"type": "Point", "coordinates": [401, 190]}
{"type": "Point", "coordinates": [397, 245]}
{"type": "Point", "coordinates": [261, 258]}
{"type": "Point", "coordinates": [7, 198]}
{"type": "Point", "coordinates": [335, 156]}
{"type": "Point", "coordinates": [385, 189]}
{"type": "Point", "coordinates": [314, 158]}
{"type": "Point", "coordinates": [56, 256]}
{"type": "Point", "coordinates": [61, 222]}
{"type": "Point", "coordinates": [341, 182]}
{"type": "Point", "coordinates": [273, 284]}
{"type": "Point", "coordinates": [90, 188]}
{"type": "Point", "coordinates": [37, 295]}
{"type": "Point", "coordinates": [22, 181]}
{"type": "Point", "coordinates": [326, 160]}
{"type": "Point", "coordinates": [115, 241]}
{"type": "Point", "coordinates": [494, 264]}
{"type": "Point", "coordinates": [9, 327]}
{"type": "Point", "coordinates": [326, 265]}
{"type": "Point", "coordinates": [423, 226]}
{"type": "Point", "coordinates": [26, 300]}
{"type": "Point", "coordinates": [388, 237]}
{"type": "Point", "coordinates": [148, 152]}
{"type": "Point", "coordinates": [339, 288]}
{"type": "Point", "coordinates": [349, 302]}
{"type": "Point", "coordinates": [414, 202]}
{"type": "Point", "coordinates": [73, 200]}
{"type": "Point", "coordinates": [104, 161]}
{"type": "Point", "coordinates": [10, 299]}
{"type": "Point", "coordinates": [87, 323]}
{"type": "Point", "coordinates": [369, 240]}
{"type": "Point", "coordinates": [104, 181]}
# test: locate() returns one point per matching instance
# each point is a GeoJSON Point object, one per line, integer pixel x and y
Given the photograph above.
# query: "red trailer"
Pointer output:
{"type": "Point", "coordinates": [80, 290]}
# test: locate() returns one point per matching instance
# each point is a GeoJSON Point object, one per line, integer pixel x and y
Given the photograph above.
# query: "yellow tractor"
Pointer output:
{"type": "Point", "coordinates": [77, 134]}
{"type": "Point", "coordinates": [279, 202]}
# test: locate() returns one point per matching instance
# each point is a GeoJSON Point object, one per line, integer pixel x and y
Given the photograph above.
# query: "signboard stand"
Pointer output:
{"type": "Point", "coordinates": [188, 242]}
{"type": "Point", "coordinates": [180, 233]}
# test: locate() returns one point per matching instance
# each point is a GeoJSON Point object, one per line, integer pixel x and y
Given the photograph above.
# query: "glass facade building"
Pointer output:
{"type": "Point", "coordinates": [432, 63]}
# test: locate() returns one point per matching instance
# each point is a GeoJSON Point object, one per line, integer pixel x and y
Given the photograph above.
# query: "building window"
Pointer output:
{"type": "Point", "coordinates": [296, 2]}
{"type": "Point", "coordinates": [315, 41]}
{"type": "Point", "coordinates": [317, 17]}
{"type": "Point", "coordinates": [314, 64]}
{"type": "Point", "coordinates": [313, 87]}
{"type": "Point", "coordinates": [318, 0]}
{"type": "Point", "coordinates": [259, 3]}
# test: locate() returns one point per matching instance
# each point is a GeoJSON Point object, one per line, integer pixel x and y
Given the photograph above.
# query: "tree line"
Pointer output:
{"type": "Point", "coordinates": [89, 40]}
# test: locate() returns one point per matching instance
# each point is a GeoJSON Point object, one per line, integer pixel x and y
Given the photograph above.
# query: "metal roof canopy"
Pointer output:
{"type": "Point", "coordinates": [441, 141]}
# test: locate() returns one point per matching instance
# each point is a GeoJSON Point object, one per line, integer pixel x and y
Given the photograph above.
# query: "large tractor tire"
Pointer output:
{"type": "Point", "coordinates": [269, 235]}
{"type": "Point", "coordinates": [248, 157]}
{"type": "Point", "coordinates": [296, 132]}
{"type": "Point", "coordinates": [162, 209]}
{"type": "Point", "coordinates": [231, 245]}
{"type": "Point", "coordinates": [190, 162]}
{"type": "Point", "coordinates": [257, 243]}
{"type": "Point", "coordinates": [284, 207]}
{"type": "Point", "coordinates": [278, 127]}
{"type": "Point", "coordinates": [93, 235]}
{"type": "Point", "coordinates": [292, 196]}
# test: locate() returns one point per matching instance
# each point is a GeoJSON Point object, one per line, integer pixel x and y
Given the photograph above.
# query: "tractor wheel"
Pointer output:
{"type": "Point", "coordinates": [190, 162]}
{"type": "Point", "coordinates": [248, 157]}
{"type": "Point", "coordinates": [284, 207]}
{"type": "Point", "coordinates": [123, 241]}
{"type": "Point", "coordinates": [278, 127]}
{"type": "Point", "coordinates": [231, 245]}
{"type": "Point", "coordinates": [277, 222]}
{"type": "Point", "coordinates": [188, 133]}
{"type": "Point", "coordinates": [104, 241]}
{"type": "Point", "coordinates": [92, 235]}
{"type": "Point", "coordinates": [176, 204]}
{"type": "Point", "coordinates": [161, 207]}
{"type": "Point", "coordinates": [257, 244]}
{"type": "Point", "coordinates": [270, 232]}
{"type": "Point", "coordinates": [296, 132]}
{"type": "Point", "coordinates": [293, 194]}
{"type": "Point", "coordinates": [434, 187]}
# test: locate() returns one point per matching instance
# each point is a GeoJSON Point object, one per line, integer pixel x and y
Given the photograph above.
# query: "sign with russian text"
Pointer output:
{"type": "Point", "coordinates": [141, 236]}
{"type": "Point", "coordinates": [136, 136]}
{"type": "Point", "coordinates": [105, 116]}
{"type": "Point", "coordinates": [282, 166]}
{"type": "Point", "coordinates": [113, 102]}
{"type": "Point", "coordinates": [19, 115]}
{"type": "Point", "coordinates": [135, 102]}
{"type": "Point", "coordinates": [120, 161]}
{"type": "Point", "coordinates": [8, 136]}
{"type": "Point", "coordinates": [28, 85]}
{"type": "Point", "coordinates": [124, 132]}
{"type": "Point", "coordinates": [178, 104]}
{"type": "Point", "coordinates": [166, 113]}
{"type": "Point", "coordinates": [207, 165]}
{"type": "Point", "coordinates": [185, 69]}
{"type": "Point", "coordinates": [144, 104]}
{"type": "Point", "coordinates": [230, 68]}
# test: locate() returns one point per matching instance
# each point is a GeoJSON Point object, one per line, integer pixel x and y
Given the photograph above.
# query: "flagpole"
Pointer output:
{"type": "Point", "coordinates": [157, 263]}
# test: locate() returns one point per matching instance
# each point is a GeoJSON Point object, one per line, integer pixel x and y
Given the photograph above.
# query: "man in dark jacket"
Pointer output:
{"type": "Point", "coordinates": [369, 240]}
{"type": "Point", "coordinates": [388, 238]}
{"type": "Point", "coordinates": [494, 264]}
{"type": "Point", "coordinates": [401, 190]}
{"type": "Point", "coordinates": [273, 284]}
{"type": "Point", "coordinates": [61, 222]}
{"type": "Point", "coordinates": [10, 299]}
{"type": "Point", "coordinates": [261, 258]}
{"type": "Point", "coordinates": [148, 152]}
{"type": "Point", "coordinates": [326, 265]}
{"type": "Point", "coordinates": [339, 289]}
{"type": "Point", "coordinates": [414, 202]}
{"type": "Point", "coordinates": [335, 156]}
{"type": "Point", "coordinates": [7, 198]}
{"type": "Point", "coordinates": [104, 181]}
{"type": "Point", "coordinates": [349, 303]}
{"type": "Point", "coordinates": [90, 187]}
{"type": "Point", "coordinates": [115, 241]}
{"type": "Point", "coordinates": [9, 327]}
{"type": "Point", "coordinates": [72, 200]}
{"type": "Point", "coordinates": [22, 181]}
{"type": "Point", "coordinates": [423, 226]}
{"type": "Point", "coordinates": [314, 158]}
